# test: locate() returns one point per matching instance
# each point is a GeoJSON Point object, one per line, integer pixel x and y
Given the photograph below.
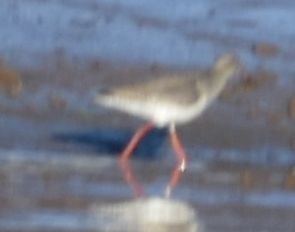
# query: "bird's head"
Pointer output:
{"type": "Point", "coordinates": [227, 66]}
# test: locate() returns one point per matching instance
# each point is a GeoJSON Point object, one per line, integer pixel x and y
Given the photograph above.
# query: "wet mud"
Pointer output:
{"type": "Point", "coordinates": [58, 149]}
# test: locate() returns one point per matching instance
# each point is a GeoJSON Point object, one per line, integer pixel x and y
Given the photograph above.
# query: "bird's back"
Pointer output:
{"type": "Point", "coordinates": [173, 97]}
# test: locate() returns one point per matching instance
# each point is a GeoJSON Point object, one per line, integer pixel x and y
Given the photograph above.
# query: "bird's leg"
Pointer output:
{"type": "Point", "coordinates": [174, 179]}
{"type": "Point", "coordinates": [129, 176]}
{"type": "Point", "coordinates": [182, 160]}
{"type": "Point", "coordinates": [139, 134]}
{"type": "Point", "coordinates": [178, 148]}
{"type": "Point", "coordinates": [131, 180]}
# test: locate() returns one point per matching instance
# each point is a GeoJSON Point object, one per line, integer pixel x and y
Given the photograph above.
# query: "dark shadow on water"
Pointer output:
{"type": "Point", "coordinates": [112, 141]}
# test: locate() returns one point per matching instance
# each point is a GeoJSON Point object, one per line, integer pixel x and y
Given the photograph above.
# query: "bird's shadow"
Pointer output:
{"type": "Point", "coordinates": [112, 141]}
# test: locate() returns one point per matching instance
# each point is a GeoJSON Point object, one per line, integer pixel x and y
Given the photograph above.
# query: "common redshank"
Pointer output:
{"type": "Point", "coordinates": [170, 100]}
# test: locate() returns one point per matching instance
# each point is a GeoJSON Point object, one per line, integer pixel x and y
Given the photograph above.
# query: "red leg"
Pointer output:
{"type": "Point", "coordinates": [178, 148]}
{"type": "Point", "coordinates": [174, 179]}
{"type": "Point", "coordinates": [131, 180]}
{"type": "Point", "coordinates": [140, 133]}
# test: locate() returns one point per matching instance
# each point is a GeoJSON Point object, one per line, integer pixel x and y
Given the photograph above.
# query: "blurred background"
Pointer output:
{"type": "Point", "coordinates": [58, 150]}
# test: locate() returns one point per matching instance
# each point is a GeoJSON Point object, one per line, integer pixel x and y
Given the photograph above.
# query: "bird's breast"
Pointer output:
{"type": "Point", "coordinates": [178, 114]}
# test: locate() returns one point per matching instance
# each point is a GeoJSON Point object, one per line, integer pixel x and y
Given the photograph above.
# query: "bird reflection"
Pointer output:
{"type": "Point", "coordinates": [137, 187]}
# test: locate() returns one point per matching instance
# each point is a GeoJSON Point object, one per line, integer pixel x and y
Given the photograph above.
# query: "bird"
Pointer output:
{"type": "Point", "coordinates": [170, 99]}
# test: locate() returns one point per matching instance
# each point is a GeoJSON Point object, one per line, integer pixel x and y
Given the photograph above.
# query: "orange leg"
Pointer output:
{"type": "Point", "coordinates": [140, 133]}
{"type": "Point", "coordinates": [125, 155]}
{"type": "Point", "coordinates": [131, 180]}
{"type": "Point", "coordinates": [182, 160]}
{"type": "Point", "coordinates": [174, 180]}
{"type": "Point", "coordinates": [129, 176]}
{"type": "Point", "coordinates": [178, 148]}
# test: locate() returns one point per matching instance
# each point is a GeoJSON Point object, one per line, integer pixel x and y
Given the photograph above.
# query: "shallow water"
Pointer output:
{"type": "Point", "coordinates": [61, 192]}
{"type": "Point", "coordinates": [58, 169]}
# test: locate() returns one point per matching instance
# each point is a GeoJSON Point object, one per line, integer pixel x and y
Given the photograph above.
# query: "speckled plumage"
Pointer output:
{"type": "Point", "coordinates": [172, 98]}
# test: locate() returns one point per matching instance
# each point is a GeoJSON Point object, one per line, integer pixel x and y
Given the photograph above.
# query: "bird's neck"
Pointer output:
{"type": "Point", "coordinates": [216, 82]}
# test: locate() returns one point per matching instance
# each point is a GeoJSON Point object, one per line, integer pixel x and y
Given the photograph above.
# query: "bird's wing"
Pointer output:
{"type": "Point", "coordinates": [180, 89]}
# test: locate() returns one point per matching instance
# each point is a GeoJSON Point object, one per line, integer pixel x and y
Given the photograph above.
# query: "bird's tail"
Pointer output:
{"type": "Point", "coordinates": [102, 95]}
